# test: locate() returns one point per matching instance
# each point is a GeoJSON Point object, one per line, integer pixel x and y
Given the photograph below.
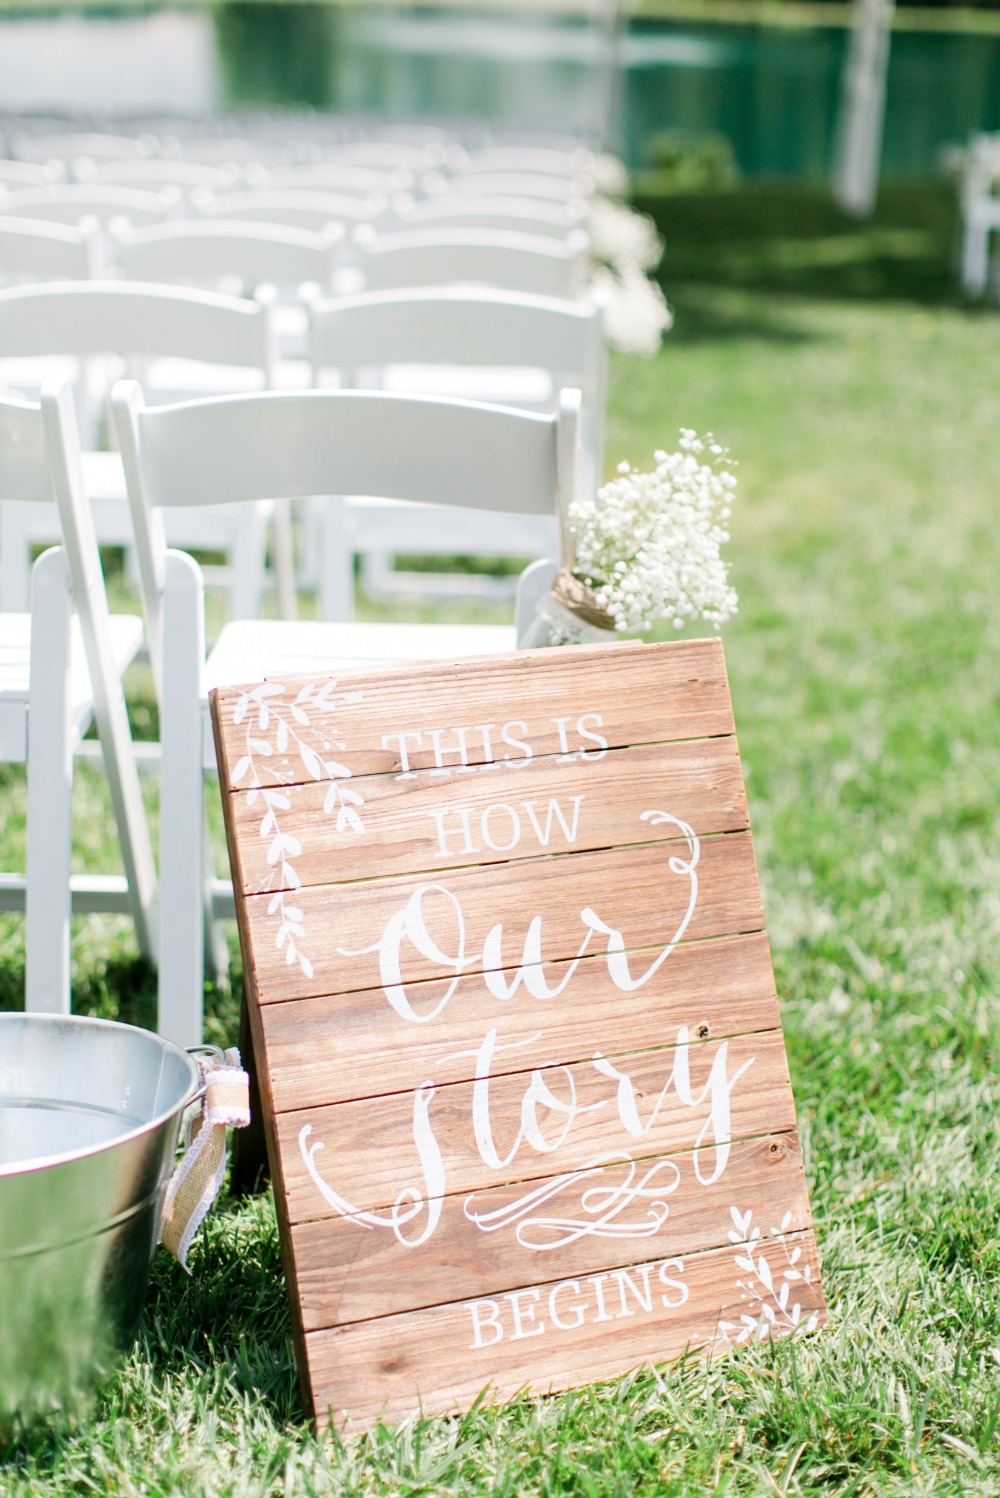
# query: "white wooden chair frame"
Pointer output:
{"type": "Point", "coordinates": [62, 668]}
{"type": "Point", "coordinates": [459, 333]}
{"type": "Point", "coordinates": [344, 442]}
{"type": "Point", "coordinates": [83, 319]}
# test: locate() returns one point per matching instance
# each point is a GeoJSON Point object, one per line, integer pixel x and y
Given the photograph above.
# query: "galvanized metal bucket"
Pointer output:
{"type": "Point", "coordinates": [89, 1118]}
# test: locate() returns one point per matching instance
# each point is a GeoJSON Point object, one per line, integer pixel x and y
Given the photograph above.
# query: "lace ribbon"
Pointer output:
{"type": "Point", "coordinates": [195, 1183]}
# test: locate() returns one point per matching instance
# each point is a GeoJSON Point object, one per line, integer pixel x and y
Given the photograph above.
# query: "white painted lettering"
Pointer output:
{"type": "Point", "coordinates": [523, 1313]}
{"type": "Point", "coordinates": [513, 828]}
{"type": "Point", "coordinates": [673, 1284]}
{"type": "Point", "coordinates": [404, 758]}
{"type": "Point", "coordinates": [643, 1297]}
{"type": "Point", "coordinates": [553, 810]}
{"type": "Point", "coordinates": [595, 738]}
{"type": "Point", "coordinates": [485, 1316]}
{"type": "Point", "coordinates": [437, 735]}
{"type": "Point", "coordinates": [577, 1311]}
{"type": "Point", "coordinates": [560, 725]}
{"type": "Point", "coordinates": [515, 743]}
{"type": "Point", "coordinates": [464, 829]}
{"type": "Point", "coordinates": [597, 1280]}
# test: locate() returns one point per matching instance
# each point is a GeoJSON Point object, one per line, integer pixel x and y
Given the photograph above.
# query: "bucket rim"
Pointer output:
{"type": "Point", "coordinates": [85, 1021]}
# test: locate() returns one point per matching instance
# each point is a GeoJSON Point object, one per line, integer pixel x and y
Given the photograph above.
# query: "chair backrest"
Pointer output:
{"type": "Point", "coordinates": [293, 207]}
{"type": "Point", "coordinates": [331, 176]}
{"type": "Point", "coordinates": [24, 471]}
{"type": "Point", "coordinates": [68, 146]}
{"type": "Point", "coordinates": [386, 155]}
{"type": "Point", "coordinates": [209, 252]}
{"type": "Point", "coordinates": [229, 150]}
{"type": "Point", "coordinates": [209, 334]}
{"type": "Point", "coordinates": [486, 329]}
{"type": "Point", "coordinates": [15, 174]}
{"type": "Point", "coordinates": [530, 263]}
{"type": "Point", "coordinates": [33, 250]}
{"type": "Point", "coordinates": [152, 175]}
{"type": "Point", "coordinates": [492, 213]}
{"type": "Point", "coordinates": [67, 204]}
{"type": "Point", "coordinates": [546, 160]}
{"type": "Point", "coordinates": [79, 318]}
{"type": "Point", "coordinates": [334, 442]}
{"type": "Point", "coordinates": [515, 185]}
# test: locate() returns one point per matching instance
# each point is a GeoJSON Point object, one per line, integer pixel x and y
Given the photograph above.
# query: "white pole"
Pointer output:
{"type": "Point", "coordinates": [862, 107]}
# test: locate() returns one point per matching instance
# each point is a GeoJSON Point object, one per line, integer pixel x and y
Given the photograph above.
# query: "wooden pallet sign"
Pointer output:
{"type": "Point", "coordinates": [522, 1070]}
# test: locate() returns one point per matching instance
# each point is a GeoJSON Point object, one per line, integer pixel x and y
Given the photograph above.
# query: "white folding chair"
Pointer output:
{"type": "Point", "coordinates": [68, 146]}
{"type": "Point", "coordinates": [60, 670]}
{"type": "Point", "coordinates": [295, 208]}
{"type": "Point", "coordinates": [149, 174]}
{"type": "Point", "coordinates": [331, 176]}
{"type": "Point", "coordinates": [552, 161]}
{"type": "Point", "coordinates": [34, 251]}
{"type": "Point", "coordinates": [492, 213]}
{"type": "Point", "coordinates": [531, 263]}
{"type": "Point", "coordinates": [68, 203]}
{"type": "Point", "coordinates": [312, 442]}
{"type": "Point", "coordinates": [238, 257]}
{"type": "Point", "coordinates": [980, 202]}
{"type": "Point", "coordinates": [516, 184]}
{"type": "Point", "coordinates": [188, 338]}
{"type": "Point", "coordinates": [17, 174]}
{"type": "Point", "coordinates": [486, 345]}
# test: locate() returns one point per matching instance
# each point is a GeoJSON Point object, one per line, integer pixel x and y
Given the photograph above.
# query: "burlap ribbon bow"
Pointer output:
{"type": "Point", "coordinates": [195, 1183]}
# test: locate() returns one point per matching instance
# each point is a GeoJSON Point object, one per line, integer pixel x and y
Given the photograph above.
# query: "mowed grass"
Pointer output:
{"type": "Point", "coordinates": [862, 402]}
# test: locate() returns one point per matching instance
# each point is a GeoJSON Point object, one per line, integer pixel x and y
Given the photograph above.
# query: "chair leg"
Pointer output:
{"type": "Point", "coordinates": [336, 583]}
{"type": "Point", "coordinates": [50, 791]}
{"type": "Point", "coordinates": [182, 851]}
{"type": "Point", "coordinates": [15, 558]}
{"type": "Point", "coordinates": [283, 559]}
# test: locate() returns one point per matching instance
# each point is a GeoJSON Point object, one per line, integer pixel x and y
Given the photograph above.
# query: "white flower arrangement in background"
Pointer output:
{"type": "Point", "coordinates": [627, 248]}
{"type": "Point", "coordinates": [647, 547]}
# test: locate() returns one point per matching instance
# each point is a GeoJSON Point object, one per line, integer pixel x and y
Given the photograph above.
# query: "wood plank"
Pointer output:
{"type": "Point", "coordinates": [347, 1272]}
{"type": "Point", "coordinates": [639, 695]}
{"type": "Point", "coordinates": [639, 892]}
{"type": "Point", "coordinates": [440, 1360]}
{"type": "Point", "coordinates": [489, 814]}
{"type": "Point", "coordinates": [363, 1156]}
{"type": "Point", "coordinates": [355, 1045]}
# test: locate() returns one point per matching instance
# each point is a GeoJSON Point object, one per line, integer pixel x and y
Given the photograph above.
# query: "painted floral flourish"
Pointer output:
{"type": "Point", "coordinates": [282, 739]}
{"type": "Point", "coordinates": [772, 1309]}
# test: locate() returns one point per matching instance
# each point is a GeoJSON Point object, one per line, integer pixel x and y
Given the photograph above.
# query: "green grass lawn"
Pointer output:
{"type": "Point", "coordinates": [862, 401]}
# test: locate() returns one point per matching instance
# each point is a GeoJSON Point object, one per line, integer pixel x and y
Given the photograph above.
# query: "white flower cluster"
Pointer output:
{"type": "Point", "coordinates": [648, 545]}
{"type": "Point", "coordinates": [636, 313]}
{"type": "Point", "coordinates": [628, 249]}
{"type": "Point", "coordinates": [622, 238]}
{"type": "Point", "coordinates": [610, 175]}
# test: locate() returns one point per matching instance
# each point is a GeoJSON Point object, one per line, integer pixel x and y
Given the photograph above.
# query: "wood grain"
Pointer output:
{"type": "Point", "coordinates": [367, 1153]}
{"type": "Point", "coordinates": [347, 1272]}
{"type": "Point", "coordinates": [513, 1008]}
{"type": "Point", "coordinates": [354, 1045]}
{"type": "Point", "coordinates": [426, 1360]}
{"type": "Point", "coordinates": [451, 819]}
{"type": "Point", "coordinates": [632, 889]}
{"type": "Point", "coordinates": [678, 690]}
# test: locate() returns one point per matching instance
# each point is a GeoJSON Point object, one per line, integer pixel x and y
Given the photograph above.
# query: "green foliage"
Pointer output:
{"type": "Point", "coordinates": [861, 400]}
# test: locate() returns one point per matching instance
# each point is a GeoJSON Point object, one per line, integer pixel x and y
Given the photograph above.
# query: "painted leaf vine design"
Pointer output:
{"type": "Point", "coordinates": [768, 1290]}
{"type": "Point", "coordinates": [282, 739]}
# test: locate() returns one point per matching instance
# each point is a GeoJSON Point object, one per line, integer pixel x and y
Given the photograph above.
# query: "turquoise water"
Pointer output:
{"type": "Point", "coordinates": [771, 91]}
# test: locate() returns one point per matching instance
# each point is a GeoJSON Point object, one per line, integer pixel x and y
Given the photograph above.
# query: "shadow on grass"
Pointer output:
{"type": "Point", "coordinates": [795, 242]}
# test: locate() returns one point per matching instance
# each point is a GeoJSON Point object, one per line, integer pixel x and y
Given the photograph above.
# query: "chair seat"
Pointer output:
{"type": "Point", "coordinates": [15, 664]}
{"type": "Point", "coordinates": [252, 649]}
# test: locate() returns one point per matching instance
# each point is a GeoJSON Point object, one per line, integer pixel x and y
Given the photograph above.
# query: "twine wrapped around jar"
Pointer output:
{"type": "Point", "coordinates": [568, 614]}
{"type": "Point", "coordinates": [575, 596]}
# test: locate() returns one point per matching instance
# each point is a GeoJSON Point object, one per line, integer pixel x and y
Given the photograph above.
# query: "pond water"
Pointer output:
{"type": "Point", "coordinates": [771, 91]}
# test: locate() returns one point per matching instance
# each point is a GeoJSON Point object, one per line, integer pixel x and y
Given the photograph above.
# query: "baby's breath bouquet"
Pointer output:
{"type": "Point", "coordinates": [646, 548]}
